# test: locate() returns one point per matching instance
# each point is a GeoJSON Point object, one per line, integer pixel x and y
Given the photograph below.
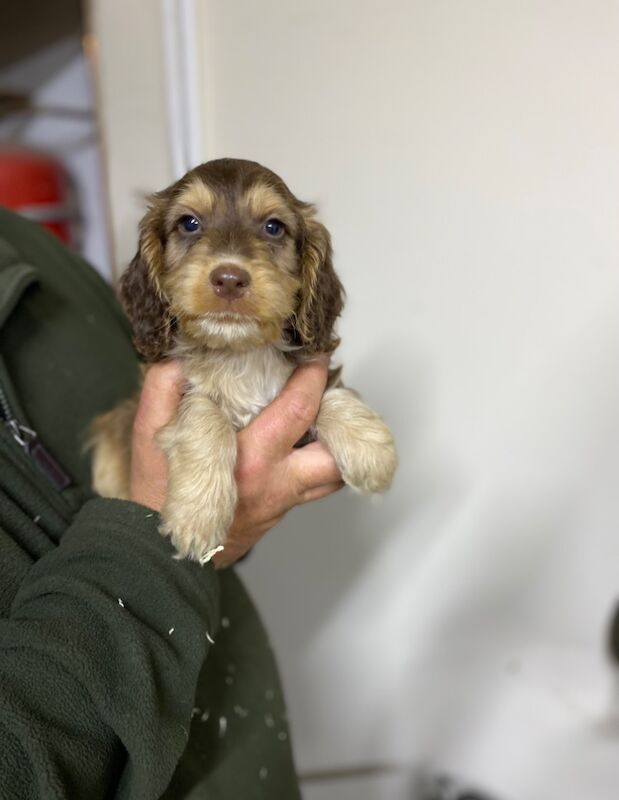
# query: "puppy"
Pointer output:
{"type": "Point", "coordinates": [233, 276]}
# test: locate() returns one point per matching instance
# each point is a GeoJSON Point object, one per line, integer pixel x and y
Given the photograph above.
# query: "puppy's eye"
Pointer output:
{"type": "Point", "coordinates": [274, 228]}
{"type": "Point", "coordinates": [189, 224]}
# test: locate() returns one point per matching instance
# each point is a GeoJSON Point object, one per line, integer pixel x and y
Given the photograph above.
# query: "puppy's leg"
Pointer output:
{"type": "Point", "coordinates": [360, 442]}
{"type": "Point", "coordinates": [110, 442]}
{"type": "Point", "coordinates": [200, 445]}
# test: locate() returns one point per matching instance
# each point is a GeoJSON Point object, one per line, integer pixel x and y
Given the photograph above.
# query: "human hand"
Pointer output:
{"type": "Point", "coordinates": [271, 475]}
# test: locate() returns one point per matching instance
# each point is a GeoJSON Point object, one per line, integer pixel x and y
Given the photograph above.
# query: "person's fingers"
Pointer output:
{"type": "Point", "coordinates": [282, 423]}
{"type": "Point", "coordinates": [318, 492]}
{"type": "Point", "coordinates": [161, 393]}
{"type": "Point", "coordinates": [311, 466]}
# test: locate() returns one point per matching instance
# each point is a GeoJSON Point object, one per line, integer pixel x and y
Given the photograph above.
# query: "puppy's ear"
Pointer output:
{"type": "Point", "coordinates": [322, 295]}
{"type": "Point", "coordinates": [140, 287]}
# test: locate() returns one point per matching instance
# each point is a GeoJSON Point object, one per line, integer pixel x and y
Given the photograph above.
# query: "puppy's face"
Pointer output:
{"type": "Point", "coordinates": [229, 257]}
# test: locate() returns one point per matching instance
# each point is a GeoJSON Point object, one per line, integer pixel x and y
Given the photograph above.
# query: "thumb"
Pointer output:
{"type": "Point", "coordinates": [311, 467]}
{"type": "Point", "coordinates": [281, 424]}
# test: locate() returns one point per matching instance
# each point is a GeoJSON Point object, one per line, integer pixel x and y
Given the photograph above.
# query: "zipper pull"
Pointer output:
{"type": "Point", "coordinates": [28, 440]}
{"type": "Point", "coordinates": [23, 435]}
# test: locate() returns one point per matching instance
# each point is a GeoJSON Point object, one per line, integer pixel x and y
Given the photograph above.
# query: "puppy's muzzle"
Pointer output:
{"type": "Point", "coordinates": [229, 281]}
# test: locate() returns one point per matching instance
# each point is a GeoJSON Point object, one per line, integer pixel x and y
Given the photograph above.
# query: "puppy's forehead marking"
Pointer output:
{"type": "Point", "coordinates": [260, 200]}
{"type": "Point", "coordinates": [198, 196]}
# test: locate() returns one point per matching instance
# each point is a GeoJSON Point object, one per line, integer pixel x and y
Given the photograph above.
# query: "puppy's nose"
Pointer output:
{"type": "Point", "coordinates": [229, 281]}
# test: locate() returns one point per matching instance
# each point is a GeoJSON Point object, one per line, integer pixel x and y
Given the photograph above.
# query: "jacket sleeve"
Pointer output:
{"type": "Point", "coordinates": [99, 660]}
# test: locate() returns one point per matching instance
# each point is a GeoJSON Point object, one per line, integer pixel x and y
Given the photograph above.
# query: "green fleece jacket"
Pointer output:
{"type": "Point", "coordinates": [124, 673]}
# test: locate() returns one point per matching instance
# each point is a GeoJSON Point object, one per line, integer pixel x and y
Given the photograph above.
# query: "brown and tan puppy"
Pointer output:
{"type": "Point", "coordinates": [233, 276]}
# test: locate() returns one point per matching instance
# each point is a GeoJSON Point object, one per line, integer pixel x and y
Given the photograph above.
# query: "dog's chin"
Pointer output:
{"type": "Point", "coordinates": [232, 330]}
{"type": "Point", "coordinates": [229, 326]}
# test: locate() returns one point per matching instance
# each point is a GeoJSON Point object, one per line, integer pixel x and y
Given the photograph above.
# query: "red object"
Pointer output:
{"type": "Point", "coordinates": [38, 187]}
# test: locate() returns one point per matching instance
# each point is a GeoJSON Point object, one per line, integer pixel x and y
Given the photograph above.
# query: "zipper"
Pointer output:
{"type": "Point", "coordinates": [30, 443]}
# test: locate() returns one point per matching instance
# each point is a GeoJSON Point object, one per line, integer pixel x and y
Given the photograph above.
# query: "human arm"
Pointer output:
{"type": "Point", "coordinates": [95, 693]}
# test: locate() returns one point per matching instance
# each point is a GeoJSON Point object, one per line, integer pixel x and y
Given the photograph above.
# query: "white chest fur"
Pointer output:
{"type": "Point", "coordinates": [241, 384]}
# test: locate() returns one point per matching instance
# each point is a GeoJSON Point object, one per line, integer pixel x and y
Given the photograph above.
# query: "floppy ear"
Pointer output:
{"type": "Point", "coordinates": [322, 295]}
{"type": "Point", "coordinates": [140, 288]}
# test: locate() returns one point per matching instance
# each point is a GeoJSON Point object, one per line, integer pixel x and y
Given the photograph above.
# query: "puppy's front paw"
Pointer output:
{"type": "Point", "coordinates": [360, 442]}
{"type": "Point", "coordinates": [201, 449]}
{"type": "Point", "coordinates": [368, 464]}
{"type": "Point", "coordinates": [198, 527]}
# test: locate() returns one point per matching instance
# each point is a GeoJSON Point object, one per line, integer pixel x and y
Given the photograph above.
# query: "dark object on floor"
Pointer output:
{"type": "Point", "coordinates": [613, 636]}
{"type": "Point", "coordinates": [444, 787]}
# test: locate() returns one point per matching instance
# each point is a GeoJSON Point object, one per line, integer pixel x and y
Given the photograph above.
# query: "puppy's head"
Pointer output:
{"type": "Point", "coordinates": [228, 257]}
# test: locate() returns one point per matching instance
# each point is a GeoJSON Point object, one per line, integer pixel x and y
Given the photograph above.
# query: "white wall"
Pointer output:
{"type": "Point", "coordinates": [466, 158]}
{"type": "Point", "coordinates": [127, 50]}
